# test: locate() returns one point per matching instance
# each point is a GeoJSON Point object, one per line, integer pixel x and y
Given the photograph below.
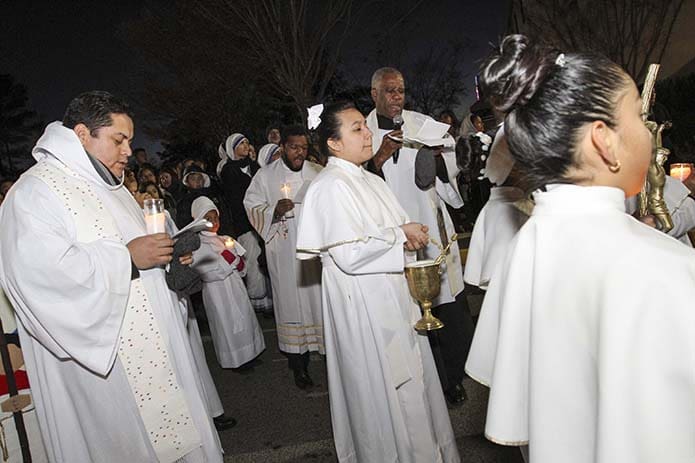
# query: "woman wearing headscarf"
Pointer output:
{"type": "Point", "coordinates": [235, 172]}
{"type": "Point", "coordinates": [268, 153]}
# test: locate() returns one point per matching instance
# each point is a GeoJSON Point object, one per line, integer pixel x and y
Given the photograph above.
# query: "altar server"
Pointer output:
{"type": "Point", "coordinates": [587, 329]}
{"type": "Point", "coordinates": [236, 334]}
{"type": "Point", "coordinates": [386, 400]}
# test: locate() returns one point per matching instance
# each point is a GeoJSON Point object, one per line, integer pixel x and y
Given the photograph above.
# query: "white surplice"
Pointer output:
{"type": "Point", "coordinates": [71, 297]}
{"type": "Point", "coordinates": [494, 229]}
{"type": "Point", "coordinates": [235, 331]}
{"type": "Point", "coordinates": [296, 283]}
{"type": "Point", "coordinates": [386, 400]}
{"type": "Point", "coordinates": [421, 206]}
{"type": "Point", "coordinates": [586, 336]}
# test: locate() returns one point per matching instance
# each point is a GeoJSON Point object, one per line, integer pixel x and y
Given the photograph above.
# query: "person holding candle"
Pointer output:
{"type": "Point", "coordinates": [386, 400]}
{"type": "Point", "coordinates": [88, 286]}
{"type": "Point", "coordinates": [236, 334]}
{"type": "Point", "coordinates": [273, 206]}
{"type": "Point", "coordinates": [235, 171]}
{"type": "Point", "coordinates": [586, 332]}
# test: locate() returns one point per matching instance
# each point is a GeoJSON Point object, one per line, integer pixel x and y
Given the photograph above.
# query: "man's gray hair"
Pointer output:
{"type": "Point", "coordinates": [381, 72]}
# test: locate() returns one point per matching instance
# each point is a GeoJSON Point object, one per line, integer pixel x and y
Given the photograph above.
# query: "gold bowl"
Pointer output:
{"type": "Point", "coordinates": [424, 282]}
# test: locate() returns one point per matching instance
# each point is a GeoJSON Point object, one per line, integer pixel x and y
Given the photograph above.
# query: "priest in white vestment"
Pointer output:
{"type": "Point", "coordinates": [273, 203]}
{"type": "Point", "coordinates": [396, 163]}
{"type": "Point", "coordinates": [386, 400]}
{"type": "Point", "coordinates": [110, 365]}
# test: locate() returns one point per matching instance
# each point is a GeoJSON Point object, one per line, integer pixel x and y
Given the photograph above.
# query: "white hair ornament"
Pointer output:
{"type": "Point", "coordinates": [314, 118]}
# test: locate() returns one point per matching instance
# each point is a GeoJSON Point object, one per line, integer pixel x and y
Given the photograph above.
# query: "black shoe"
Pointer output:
{"type": "Point", "coordinates": [302, 380]}
{"type": "Point", "coordinates": [455, 396]}
{"type": "Point", "coordinates": [223, 422]}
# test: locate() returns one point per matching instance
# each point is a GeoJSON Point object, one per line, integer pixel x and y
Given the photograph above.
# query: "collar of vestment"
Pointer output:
{"type": "Point", "coordinates": [573, 199]}
{"type": "Point", "coordinates": [385, 123]}
{"type": "Point", "coordinates": [103, 171]}
{"type": "Point", "coordinates": [62, 144]}
{"type": "Point", "coordinates": [346, 166]}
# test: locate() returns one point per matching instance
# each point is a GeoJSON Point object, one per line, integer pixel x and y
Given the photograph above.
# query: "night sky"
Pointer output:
{"type": "Point", "coordinates": [59, 49]}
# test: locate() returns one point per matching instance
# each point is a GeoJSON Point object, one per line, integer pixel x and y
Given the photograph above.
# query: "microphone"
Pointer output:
{"type": "Point", "coordinates": [397, 124]}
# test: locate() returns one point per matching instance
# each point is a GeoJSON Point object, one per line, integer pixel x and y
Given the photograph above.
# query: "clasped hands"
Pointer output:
{"type": "Point", "coordinates": [416, 235]}
{"type": "Point", "coordinates": [154, 250]}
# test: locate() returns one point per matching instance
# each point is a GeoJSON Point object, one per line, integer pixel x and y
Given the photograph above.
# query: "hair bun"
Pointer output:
{"type": "Point", "coordinates": [512, 74]}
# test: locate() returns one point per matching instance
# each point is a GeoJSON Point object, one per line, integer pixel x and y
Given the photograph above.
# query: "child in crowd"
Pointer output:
{"type": "Point", "coordinates": [236, 335]}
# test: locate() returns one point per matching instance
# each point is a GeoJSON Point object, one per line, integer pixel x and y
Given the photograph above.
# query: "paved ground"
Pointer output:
{"type": "Point", "coordinates": [280, 423]}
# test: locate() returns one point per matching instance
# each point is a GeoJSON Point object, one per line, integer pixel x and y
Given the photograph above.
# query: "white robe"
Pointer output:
{"type": "Point", "coordinates": [71, 298]}
{"type": "Point", "coordinates": [208, 389]}
{"type": "Point", "coordinates": [421, 206]}
{"type": "Point", "coordinates": [680, 205]}
{"type": "Point", "coordinates": [494, 229]}
{"type": "Point", "coordinates": [236, 334]}
{"type": "Point", "coordinates": [296, 283]}
{"type": "Point", "coordinates": [587, 335]}
{"type": "Point", "coordinates": [386, 399]}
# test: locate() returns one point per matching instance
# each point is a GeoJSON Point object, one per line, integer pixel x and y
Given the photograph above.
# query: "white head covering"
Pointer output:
{"type": "Point", "coordinates": [267, 152]}
{"type": "Point", "coordinates": [500, 163]}
{"type": "Point", "coordinates": [206, 177]}
{"type": "Point", "coordinates": [226, 152]}
{"type": "Point", "coordinates": [467, 128]}
{"type": "Point", "coordinates": [201, 206]}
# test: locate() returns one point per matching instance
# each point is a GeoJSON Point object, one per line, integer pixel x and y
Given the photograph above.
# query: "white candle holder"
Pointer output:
{"type": "Point", "coordinates": [286, 190]}
{"type": "Point", "coordinates": [154, 216]}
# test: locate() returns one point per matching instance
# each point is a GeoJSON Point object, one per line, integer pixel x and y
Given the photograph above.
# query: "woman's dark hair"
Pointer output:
{"type": "Point", "coordinates": [330, 124]}
{"type": "Point", "coordinates": [94, 110]}
{"type": "Point", "coordinates": [142, 188]}
{"type": "Point", "coordinates": [147, 166]}
{"type": "Point", "coordinates": [450, 113]}
{"type": "Point", "coordinates": [547, 99]}
{"type": "Point", "coordinates": [171, 170]}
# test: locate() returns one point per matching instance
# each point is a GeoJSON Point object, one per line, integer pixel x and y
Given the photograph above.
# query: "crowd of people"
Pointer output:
{"type": "Point", "coordinates": [584, 329]}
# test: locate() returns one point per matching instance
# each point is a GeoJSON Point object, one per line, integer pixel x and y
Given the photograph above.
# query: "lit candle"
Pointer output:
{"type": "Point", "coordinates": [286, 190]}
{"type": "Point", "coordinates": [155, 219]}
{"type": "Point", "coordinates": [681, 171]}
{"type": "Point", "coordinates": [155, 223]}
{"type": "Point", "coordinates": [229, 243]}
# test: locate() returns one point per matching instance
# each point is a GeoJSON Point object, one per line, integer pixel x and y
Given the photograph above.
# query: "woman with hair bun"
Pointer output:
{"type": "Point", "coordinates": [386, 401]}
{"type": "Point", "coordinates": [587, 333]}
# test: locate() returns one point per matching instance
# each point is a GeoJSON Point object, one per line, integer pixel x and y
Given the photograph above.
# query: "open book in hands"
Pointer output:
{"type": "Point", "coordinates": [195, 226]}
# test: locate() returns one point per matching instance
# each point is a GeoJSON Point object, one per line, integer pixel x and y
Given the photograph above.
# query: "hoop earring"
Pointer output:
{"type": "Point", "coordinates": [615, 167]}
